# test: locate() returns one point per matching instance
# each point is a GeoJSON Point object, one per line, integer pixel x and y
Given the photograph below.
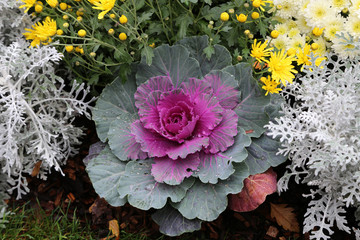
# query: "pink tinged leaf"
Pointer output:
{"type": "Point", "coordinates": [256, 188]}
{"type": "Point", "coordinates": [158, 146]}
{"type": "Point", "coordinates": [159, 83]}
{"type": "Point", "coordinates": [226, 94]}
{"type": "Point", "coordinates": [196, 87]}
{"type": "Point", "coordinates": [172, 171]}
{"type": "Point", "coordinates": [133, 149]}
{"type": "Point", "coordinates": [210, 114]}
{"type": "Point", "coordinates": [223, 134]}
{"type": "Point", "coordinates": [148, 113]}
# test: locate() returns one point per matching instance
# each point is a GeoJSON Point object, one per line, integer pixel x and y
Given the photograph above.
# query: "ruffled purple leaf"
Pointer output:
{"type": "Point", "coordinates": [223, 134]}
{"type": "Point", "coordinates": [210, 112]}
{"type": "Point", "coordinates": [159, 83]}
{"type": "Point", "coordinates": [196, 87]}
{"type": "Point", "coordinates": [148, 113]}
{"type": "Point", "coordinates": [172, 171]}
{"type": "Point", "coordinates": [177, 117]}
{"type": "Point", "coordinates": [213, 167]}
{"type": "Point", "coordinates": [224, 86]}
{"type": "Point", "coordinates": [158, 146]}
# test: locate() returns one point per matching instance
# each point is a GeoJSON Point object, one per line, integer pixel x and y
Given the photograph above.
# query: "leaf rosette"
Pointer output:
{"type": "Point", "coordinates": [182, 134]}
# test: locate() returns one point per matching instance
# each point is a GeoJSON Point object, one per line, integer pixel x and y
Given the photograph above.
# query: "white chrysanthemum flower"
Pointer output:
{"type": "Point", "coordinates": [282, 28]}
{"type": "Point", "coordinates": [339, 4]}
{"type": "Point", "coordinates": [287, 10]}
{"type": "Point", "coordinates": [280, 42]}
{"type": "Point", "coordinates": [293, 32]}
{"type": "Point", "coordinates": [352, 25]}
{"type": "Point", "coordinates": [297, 41]}
{"type": "Point", "coordinates": [333, 25]}
{"type": "Point", "coordinates": [343, 48]}
{"type": "Point", "coordinates": [317, 11]}
{"type": "Point", "coordinates": [355, 5]}
{"type": "Point", "coordinates": [302, 24]}
{"type": "Point", "coordinates": [322, 46]}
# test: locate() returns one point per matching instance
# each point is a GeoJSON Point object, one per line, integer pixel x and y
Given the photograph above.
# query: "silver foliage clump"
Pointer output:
{"type": "Point", "coordinates": [321, 135]}
{"type": "Point", "coordinates": [36, 108]}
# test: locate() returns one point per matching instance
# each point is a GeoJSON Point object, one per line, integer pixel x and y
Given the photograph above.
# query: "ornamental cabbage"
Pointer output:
{"type": "Point", "coordinates": [182, 134]}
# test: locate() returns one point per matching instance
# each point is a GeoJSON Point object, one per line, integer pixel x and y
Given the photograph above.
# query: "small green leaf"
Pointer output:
{"type": "Point", "coordinates": [209, 51]}
{"type": "Point", "coordinates": [148, 52]}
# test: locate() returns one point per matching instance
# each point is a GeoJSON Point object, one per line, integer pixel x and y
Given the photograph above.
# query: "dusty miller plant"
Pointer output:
{"type": "Point", "coordinates": [36, 112]}
{"type": "Point", "coordinates": [321, 135]}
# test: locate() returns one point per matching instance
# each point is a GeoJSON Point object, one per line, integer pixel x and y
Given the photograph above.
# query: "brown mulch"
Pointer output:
{"type": "Point", "coordinates": [75, 192]}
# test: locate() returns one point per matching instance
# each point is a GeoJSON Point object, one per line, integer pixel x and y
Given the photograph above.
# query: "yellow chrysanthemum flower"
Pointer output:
{"type": "Point", "coordinates": [259, 52]}
{"type": "Point", "coordinates": [28, 4]}
{"type": "Point", "coordinates": [281, 68]}
{"type": "Point", "coordinates": [270, 86]}
{"type": "Point", "coordinates": [260, 3]}
{"type": "Point", "coordinates": [41, 32]}
{"type": "Point", "coordinates": [105, 6]}
{"type": "Point", "coordinates": [303, 56]}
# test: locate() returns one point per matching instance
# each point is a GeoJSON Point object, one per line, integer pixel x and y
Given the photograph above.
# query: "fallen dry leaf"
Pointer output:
{"type": "Point", "coordinates": [285, 217]}
{"type": "Point", "coordinates": [114, 227]}
{"type": "Point", "coordinates": [36, 169]}
{"type": "Point", "coordinates": [256, 188]}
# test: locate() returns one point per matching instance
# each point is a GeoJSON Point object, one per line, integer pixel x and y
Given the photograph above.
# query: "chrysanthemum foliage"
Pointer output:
{"type": "Point", "coordinates": [182, 134]}
{"type": "Point", "coordinates": [321, 134]}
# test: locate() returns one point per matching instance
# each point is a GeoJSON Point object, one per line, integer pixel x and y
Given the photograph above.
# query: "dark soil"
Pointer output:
{"type": "Point", "coordinates": [75, 189]}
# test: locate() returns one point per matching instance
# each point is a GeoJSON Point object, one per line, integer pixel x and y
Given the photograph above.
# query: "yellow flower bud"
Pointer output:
{"type": "Point", "coordinates": [111, 31]}
{"type": "Point", "coordinates": [251, 36]}
{"type": "Point", "coordinates": [112, 16]}
{"type": "Point", "coordinates": [241, 18]}
{"type": "Point", "coordinates": [79, 18]}
{"type": "Point", "coordinates": [92, 54]}
{"type": "Point", "coordinates": [63, 6]}
{"type": "Point", "coordinates": [152, 45]}
{"type": "Point", "coordinates": [122, 36]}
{"type": "Point", "coordinates": [81, 33]}
{"type": "Point", "coordinates": [246, 5]}
{"type": "Point", "coordinates": [66, 25]}
{"type": "Point", "coordinates": [224, 17]}
{"type": "Point", "coordinates": [79, 13]}
{"type": "Point", "coordinates": [255, 15]}
{"type": "Point", "coordinates": [314, 46]}
{"type": "Point", "coordinates": [123, 19]}
{"type": "Point", "coordinates": [247, 32]}
{"type": "Point", "coordinates": [38, 8]}
{"type": "Point", "coordinates": [211, 22]}
{"type": "Point", "coordinates": [65, 17]}
{"type": "Point", "coordinates": [52, 3]}
{"type": "Point", "coordinates": [81, 51]}
{"type": "Point", "coordinates": [291, 52]}
{"type": "Point", "coordinates": [239, 58]}
{"type": "Point", "coordinates": [59, 32]}
{"type": "Point", "coordinates": [77, 49]}
{"type": "Point", "coordinates": [274, 34]}
{"type": "Point", "coordinates": [317, 31]}
{"type": "Point", "coordinates": [256, 3]}
{"type": "Point", "coordinates": [231, 11]}
{"type": "Point", "coordinates": [69, 48]}
{"type": "Point", "coordinates": [77, 63]}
